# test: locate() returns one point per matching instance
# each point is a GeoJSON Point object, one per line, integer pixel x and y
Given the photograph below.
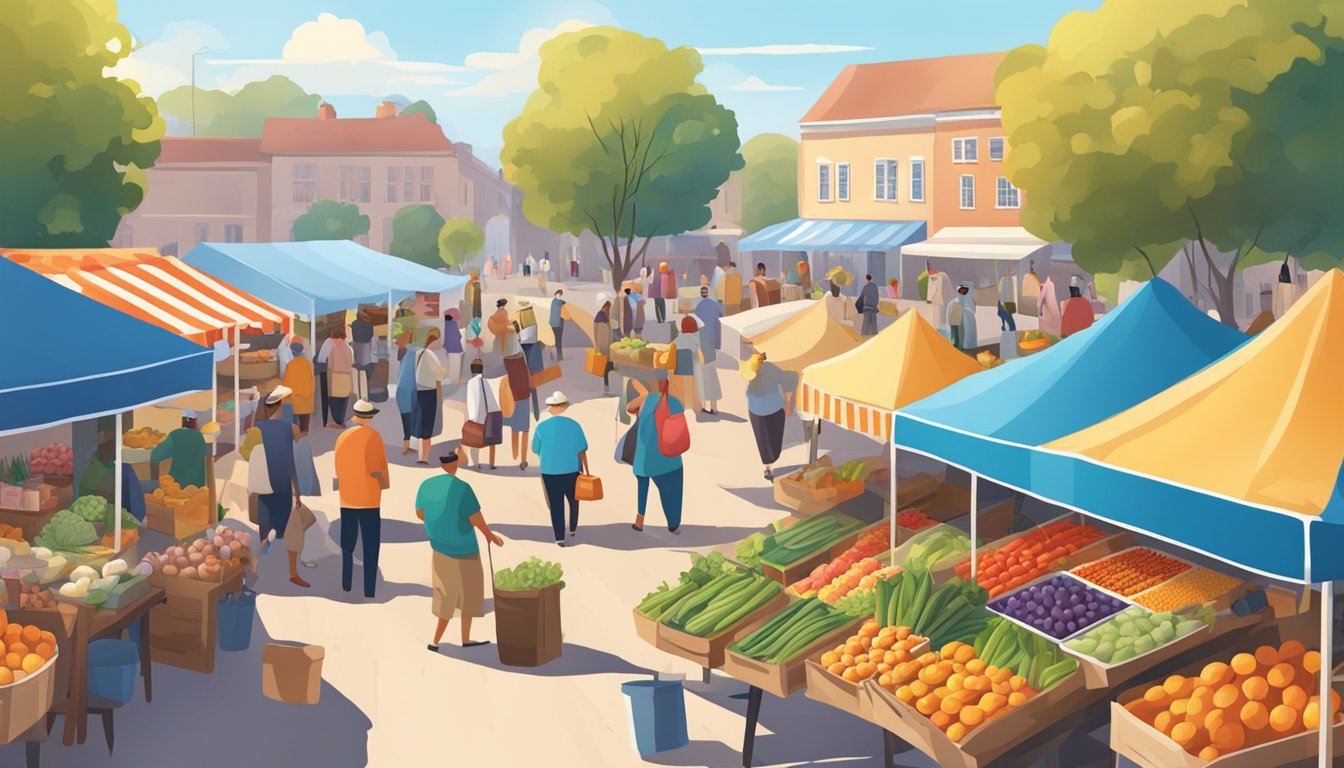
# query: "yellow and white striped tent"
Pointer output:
{"type": "Point", "coordinates": [861, 389]}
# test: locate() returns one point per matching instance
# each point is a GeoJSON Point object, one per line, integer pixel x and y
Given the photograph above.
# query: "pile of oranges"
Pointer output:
{"type": "Point", "coordinates": [871, 653]}
{"type": "Point", "coordinates": [956, 690]}
{"type": "Point", "coordinates": [25, 650]}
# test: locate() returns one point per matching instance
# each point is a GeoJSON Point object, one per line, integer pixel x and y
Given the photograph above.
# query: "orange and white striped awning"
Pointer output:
{"type": "Point", "coordinates": [161, 290]}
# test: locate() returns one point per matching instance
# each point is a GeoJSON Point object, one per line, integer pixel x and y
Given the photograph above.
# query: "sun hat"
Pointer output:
{"type": "Point", "coordinates": [364, 408]}
{"type": "Point", "coordinates": [557, 398]}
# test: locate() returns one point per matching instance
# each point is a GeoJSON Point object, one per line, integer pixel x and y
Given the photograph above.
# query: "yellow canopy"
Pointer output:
{"type": "Point", "coordinates": [808, 337]}
{"type": "Point", "coordinates": [859, 390]}
{"type": "Point", "coordinates": [1262, 424]}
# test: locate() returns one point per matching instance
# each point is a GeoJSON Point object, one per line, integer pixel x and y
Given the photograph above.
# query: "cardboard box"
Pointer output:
{"type": "Point", "coordinates": [842, 694]}
{"type": "Point", "coordinates": [1097, 675]}
{"type": "Point", "coordinates": [646, 628]}
{"type": "Point", "coordinates": [708, 651]}
{"type": "Point", "coordinates": [292, 673]}
{"type": "Point", "coordinates": [983, 745]}
{"type": "Point", "coordinates": [783, 679]}
{"type": "Point", "coordinates": [796, 570]}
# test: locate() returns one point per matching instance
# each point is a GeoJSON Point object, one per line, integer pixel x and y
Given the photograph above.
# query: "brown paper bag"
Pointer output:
{"type": "Point", "coordinates": [527, 626]}
{"type": "Point", "coordinates": [292, 673]}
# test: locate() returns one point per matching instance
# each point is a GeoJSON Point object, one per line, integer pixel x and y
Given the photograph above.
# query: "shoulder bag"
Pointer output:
{"type": "Point", "coordinates": [674, 433]}
{"type": "Point", "coordinates": [625, 447]}
{"type": "Point", "coordinates": [258, 472]}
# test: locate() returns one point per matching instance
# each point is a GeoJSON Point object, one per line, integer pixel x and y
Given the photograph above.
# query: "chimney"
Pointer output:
{"type": "Point", "coordinates": [386, 109]}
{"type": "Point", "coordinates": [325, 111]}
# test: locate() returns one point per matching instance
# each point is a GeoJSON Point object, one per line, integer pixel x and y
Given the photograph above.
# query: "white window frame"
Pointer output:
{"type": "Point", "coordinates": [426, 183]}
{"type": "Point", "coordinates": [824, 190]}
{"type": "Point", "coordinates": [392, 183]}
{"type": "Point", "coordinates": [304, 183]}
{"type": "Point", "coordinates": [989, 147]}
{"type": "Point", "coordinates": [885, 190]}
{"type": "Point", "coordinates": [959, 146]}
{"type": "Point", "coordinates": [923, 180]}
{"type": "Point", "coordinates": [999, 193]}
{"type": "Point", "coordinates": [842, 187]}
{"type": "Point", "coordinates": [961, 192]}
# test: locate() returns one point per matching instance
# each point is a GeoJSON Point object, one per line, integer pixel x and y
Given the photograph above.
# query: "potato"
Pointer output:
{"type": "Point", "coordinates": [189, 572]}
{"type": "Point", "coordinates": [170, 570]}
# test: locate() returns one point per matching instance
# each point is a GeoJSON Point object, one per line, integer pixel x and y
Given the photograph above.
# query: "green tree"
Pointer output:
{"type": "Point", "coordinates": [769, 181]}
{"type": "Point", "coordinates": [330, 220]}
{"type": "Point", "coordinates": [1147, 125]}
{"type": "Point", "coordinates": [415, 235]}
{"type": "Point", "coordinates": [459, 241]}
{"type": "Point", "coordinates": [421, 107]}
{"type": "Point", "coordinates": [240, 113]}
{"type": "Point", "coordinates": [621, 141]}
{"type": "Point", "coordinates": [74, 142]}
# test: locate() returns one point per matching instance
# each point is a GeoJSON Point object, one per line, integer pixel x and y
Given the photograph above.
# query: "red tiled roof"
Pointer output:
{"type": "Point", "coordinates": [202, 149]}
{"type": "Point", "coordinates": [919, 87]}
{"type": "Point", "coordinates": [302, 135]}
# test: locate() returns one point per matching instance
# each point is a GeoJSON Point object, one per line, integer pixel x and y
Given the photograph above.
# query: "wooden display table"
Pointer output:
{"type": "Point", "coordinates": [186, 627]}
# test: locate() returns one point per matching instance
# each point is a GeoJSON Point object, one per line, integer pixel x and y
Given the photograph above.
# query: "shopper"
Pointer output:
{"type": "Point", "coordinates": [518, 418]}
{"type": "Point", "coordinates": [271, 441]}
{"type": "Point", "coordinates": [543, 272]}
{"type": "Point", "coordinates": [184, 447]}
{"type": "Point", "coordinates": [769, 401]}
{"type": "Point", "coordinates": [481, 403]}
{"type": "Point", "coordinates": [710, 313]}
{"type": "Point", "coordinates": [559, 313]}
{"type": "Point", "coordinates": [361, 477]}
{"type": "Point", "coordinates": [407, 350]}
{"type": "Point", "coordinates": [1077, 312]}
{"type": "Point", "coordinates": [452, 346]}
{"type": "Point", "coordinates": [340, 362]}
{"type": "Point", "coordinates": [956, 312]}
{"type": "Point", "coordinates": [361, 346]}
{"type": "Point", "coordinates": [664, 287]}
{"type": "Point", "coordinates": [868, 304]}
{"type": "Point", "coordinates": [501, 327]}
{"type": "Point", "coordinates": [429, 374]}
{"type": "Point", "coordinates": [688, 354]}
{"type": "Point", "coordinates": [650, 464]}
{"type": "Point", "coordinates": [563, 448]}
{"type": "Point", "coordinates": [708, 390]}
{"type": "Point", "coordinates": [299, 378]}
{"type": "Point", "coordinates": [969, 338]}
{"type": "Point", "coordinates": [602, 337]}
{"type": "Point", "coordinates": [452, 515]}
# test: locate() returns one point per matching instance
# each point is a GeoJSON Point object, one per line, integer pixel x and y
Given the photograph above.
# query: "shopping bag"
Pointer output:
{"type": "Point", "coordinates": [625, 447]}
{"type": "Point", "coordinates": [546, 376]}
{"type": "Point", "coordinates": [493, 432]}
{"type": "Point", "coordinates": [473, 435]}
{"type": "Point", "coordinates": [258, 472]}
{"type": "Point", "coordinates": [674, 434]}
{"type": "Point", "coordinates": [595, 363]}
{"type": "Point", "coordinates": [588, 488]}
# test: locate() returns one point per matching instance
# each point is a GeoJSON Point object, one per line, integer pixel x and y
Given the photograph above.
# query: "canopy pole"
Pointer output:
{"type": "Point", "coordinates": [975, 514]}
{"type": "Point", "coordinates": [237, 404]}
{"type": "Point", "coordinates": [116, 487]}
{"type": "Point", "coordinates": [389, 327]}
{"type": "Point", "coordinates": [891, 484]}
{"type": "Point", "coordinates": [1324, 747]}
{"type": "Point", "coordinates": [214, 408]}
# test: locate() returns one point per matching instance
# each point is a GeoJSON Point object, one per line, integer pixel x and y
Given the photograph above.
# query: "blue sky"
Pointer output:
{"type": "Point", "coordinates": [476, 61]}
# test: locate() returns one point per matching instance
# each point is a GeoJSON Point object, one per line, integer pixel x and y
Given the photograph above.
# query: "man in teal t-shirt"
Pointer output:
{"type": "Point", "coordinates": [452, 516]}
{"type": "Point", "coordinates": [563, 448]}
{"type": "Point", "coordinates": [186, 447]}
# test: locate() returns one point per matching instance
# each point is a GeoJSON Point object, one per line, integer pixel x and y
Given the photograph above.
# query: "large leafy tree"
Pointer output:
{"type": "Point", "coordinates": [242, 112]}
{"type": "Point", "coordinates": [421, 107]}
{"type": "Point", "coordinates": [415, 235]}
{"type": "Point", "coordinates": [769, 181]}
{"type": "Point", "coordinates": [74, 141]}
{"type": "Point", "coordinates": [330, 220]}
{"type": "Point", "coordinates": [621, 141]}
{"type": "Point", "coordinates": [1148, 125]}
{"type": "Point", "coordinates": [459, 241]}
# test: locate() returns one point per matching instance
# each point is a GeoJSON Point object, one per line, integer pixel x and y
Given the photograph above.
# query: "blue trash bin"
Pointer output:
{"type": "Point", "coordinates": [658, 714]}
{"type": "Point", "coordinates": [113, 666]}
{"type": "Point", "coordinates": [235, 621]}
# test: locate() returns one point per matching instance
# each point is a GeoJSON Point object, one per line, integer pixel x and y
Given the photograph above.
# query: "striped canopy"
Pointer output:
{"type": "Point", "coordinates": [161, 290]}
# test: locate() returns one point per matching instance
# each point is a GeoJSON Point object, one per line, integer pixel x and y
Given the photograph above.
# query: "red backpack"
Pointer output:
{"type": "Point", "coordinates": [674, 433]}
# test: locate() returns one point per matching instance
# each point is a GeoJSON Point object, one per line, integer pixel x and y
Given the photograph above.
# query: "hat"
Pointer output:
{"type": "Point", "coordinates": [364, 408]}
{"type": "Point", "coordinates": [278, 394]}
{"type": "Point", "coordinates": [448, 458]}
{"type": "Point", "coordinates": [187, 413]}
{"type": "Point", "coordinates": [557, 398]}
{"type": "Point", "coordinates": [524, 304]}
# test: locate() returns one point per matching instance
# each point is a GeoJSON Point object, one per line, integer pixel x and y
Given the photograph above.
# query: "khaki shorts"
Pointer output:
{"type": "Point", "coordinates": [459, 584]}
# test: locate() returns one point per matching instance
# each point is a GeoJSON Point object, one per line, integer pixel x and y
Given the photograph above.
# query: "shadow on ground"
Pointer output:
{"type": "Point", "coordinates": [574, 660]}
{"type": "Point", "coordinates": [621, 536]}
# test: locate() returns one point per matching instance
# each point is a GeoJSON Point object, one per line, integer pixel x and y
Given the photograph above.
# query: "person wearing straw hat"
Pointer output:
{"type": "Point", "coordinates": [563, 448]}
{"type": "Point", "coordinates": [452, 515]}
{"type": "Point", "coordinates": [361, 474]}
{"type": "Point", "coordinates": [276, 438]}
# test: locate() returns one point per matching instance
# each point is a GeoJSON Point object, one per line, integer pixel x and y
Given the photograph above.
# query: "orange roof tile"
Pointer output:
{"type": "Point", "coordinates": [918, 87]}
{"type": "Point", "coordinates": [203, 149]}
{"type": "Point", "coordinates": [304, 135]}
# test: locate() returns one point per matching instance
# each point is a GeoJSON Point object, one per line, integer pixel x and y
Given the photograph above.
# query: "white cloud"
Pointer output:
{"type": "Point", "coordinates": [757, 85]}
{"type": "Point", "coordinates": [164, 64]}
{"type": "Point", "coordinates": [513, 72]}
{"type": "Point", "coordinates": [801, 49]}
{"type": "Point", "coordinates": [331, 39]}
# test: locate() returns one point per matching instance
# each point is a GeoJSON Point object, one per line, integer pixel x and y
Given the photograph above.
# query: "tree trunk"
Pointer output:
{"type": "Point", "coordinates": [1223, 295]}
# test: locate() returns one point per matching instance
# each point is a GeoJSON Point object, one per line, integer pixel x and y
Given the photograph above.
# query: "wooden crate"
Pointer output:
{"type": "Point", "coordinates": [183, 631]}
{"type": "Point", "coordinates": [178, 522]}
{"type": "Point", "coordinates": [842, 694]}
{"type": "Point", "coordinates": [708, 652]}
{"type": "Point", "coordinates": [783, 679]}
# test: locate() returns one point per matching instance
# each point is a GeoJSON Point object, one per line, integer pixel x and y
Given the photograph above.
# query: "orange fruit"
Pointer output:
{"type": "Point", "coordinates": [1182, 733]}
{"type": "Point", "coordinates": [1255, 688]}
{"type": "Point", "coordinates": [1243, 664]}
{"type": "Point", "coordinates": [1311, 662]}
{"type": "Point", "coordinates": [1295, 697]}
{"type": "Point", "coordinates": [1163, 722]}
{"type": "Point", "coordinates": [1254, 715]}
{"type": "Point", "coordinates": [1311, 715]}
{"type": "Point", "coordinates": [1229, 737]}
{"type": "Point", "coordinates": [6, 676]}
{"type": "Point", "coordinates": [31, 635]}
{"type": "Point", "coordinates": [1226, 697]}
{"type": "Point", "coordinates": [1209, 753]}
{"type": "Point", "coordinates": [956, 731]}
{"type": "Point", "coordinates": [1290, 650]}
{"type": "Point", "coordinates": [1280, 675]}
{"type": "Point", "coordinates": [1282, 718]}
{"type": "Point", "coordinates": [32, 662]}
{"type": "Point", "coordinates": [971, 716]}
{"type": "Point", "coordinates": [45, 650]}
{"type": "Point", "coordinates": [1216, 674]}
{"type": "Point", "coordinates": [13, 661]}
{"type": "Point", "coordinates": [1267, 656]}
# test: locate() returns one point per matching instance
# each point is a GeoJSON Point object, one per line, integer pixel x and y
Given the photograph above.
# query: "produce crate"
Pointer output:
{"type": "Point", "coordinates": [646, 628]}
{"type": "Point", "coordinates": [1189, 567]}
{"type": "Point", "coordinates": [1097, 676]}
{"type": "Point", "coordinates": [841, 693]}
{"type": "Point", "coordinates": [249, 370]}
{"type": "Point", "coordinates": [783, 679]}
{"type": "Point", "coordinates": [1126, 603]}
{"type": "Point", "coordinates": [808, 502]}
{"type": "Point", "coordinates": [910, 489]}
{"type": "Point", "coordinates": [1107, 545]}
{"type": "Point", "coordinates": [25, 703]}
{"type": "Point", "coordinates": [949, 502]}
{"type": "Point", "coordinates": [183, 631]}
{"type": "Point", "coordinates": [788, 573]}
{"type": "Point", "coordinates": [1222, 602]}
{"type": "Point", "coordinates": [708, 651]}
{"type": "Point", "coordinates": [177, 522]}
{"type": "Point", "coordinates": [1150, 748]}
{"type": "Point", "coordinates": [126, 593]}
{"type": "Point", "coordinates": [986, 743]}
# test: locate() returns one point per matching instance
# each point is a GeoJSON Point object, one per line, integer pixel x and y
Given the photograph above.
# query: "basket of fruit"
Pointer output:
{"type": "Point", "coordinates": [27, 677]}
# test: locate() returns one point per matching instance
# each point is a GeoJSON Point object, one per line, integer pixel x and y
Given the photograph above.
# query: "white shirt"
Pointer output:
{"type": "Point", "coordinates": [480, 399]}
{"type": "Point", "coordinates": [429, 369]}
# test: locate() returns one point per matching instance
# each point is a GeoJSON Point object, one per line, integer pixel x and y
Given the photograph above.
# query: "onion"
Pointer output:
{"type": "Point", "coordinates": [189, 573]}
{"type": "Point", "coordinates": [170, 570]}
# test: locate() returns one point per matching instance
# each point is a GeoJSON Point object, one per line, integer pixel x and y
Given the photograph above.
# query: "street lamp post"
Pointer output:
{"type": "Point", "coordinates": [198, 52]}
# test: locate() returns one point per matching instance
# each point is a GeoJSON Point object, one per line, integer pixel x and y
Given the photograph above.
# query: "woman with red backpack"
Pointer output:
{"type": "Point", "coordinates": [661, 436]}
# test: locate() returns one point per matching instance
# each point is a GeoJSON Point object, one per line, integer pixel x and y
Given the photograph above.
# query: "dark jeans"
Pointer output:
{"type": "Point", "coordinates": [322, 390]}
{"type": "Point", "coordinates": [559, 331]}
{"type": "Point", "coordinates": [354, 524]}
{"type": "Point", "coordinates": [407, 425]}
{"type": "Point", "coordinates": [273, 513]}
{"type": "Point", "coordinates": [660, 309]}
{"type": "Point", "coordinates": [1006, 321]}
{"type": "Point", "coordinates": [338, 405]}
{"type": "Point", "coordinates": [560, 488]}
{"type": "Point", "coordinates": [669, 493]}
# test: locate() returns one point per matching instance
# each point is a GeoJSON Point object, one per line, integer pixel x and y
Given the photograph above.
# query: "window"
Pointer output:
{"type": "Point", "coordinates": [842, 181]}
{"type": "Point", "coordinates": [916, 179]}
{"type": "Point", "coordinates": [996, 149]}
{"type": "Point", "coordinates": [464, 193]}
{"type": "Point", "coordinates": [233, 233]}
{"type": "Point", "coordinates": [365, 183]}
{"type": "Point", "coordinates": [202, 233]}
{"type": "Point", "coordinates": [886, 176]}
{"type": "Point", "coordinates": [392, 184]}
{"type": "Point", "coordinates": [304, 183]}
{"type": "Point", "coordinates": [966, 150]}
{"type": "Point", "coordinates": [355, 184]}
{"type": "Point", "coordinates": [967, 193]}
{"type": "Point", "coordinates": [824, 183]}
{"type": "Point", "coordinates": [426, 183]}
{"type": "Point", "coordinates": [1006, 195]}
{"type": "Point", "coordinates": [408, 184]}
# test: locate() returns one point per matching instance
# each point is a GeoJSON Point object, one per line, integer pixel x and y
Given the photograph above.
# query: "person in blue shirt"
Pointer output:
{"type": "Point", "coordinates": [452, 515]}
{"type": "Point", "coordinates": [563, 448]}
{"type": "Point", "coordinates": [650, 464]}
{"type": "Point", "coordinates": [557, 319]}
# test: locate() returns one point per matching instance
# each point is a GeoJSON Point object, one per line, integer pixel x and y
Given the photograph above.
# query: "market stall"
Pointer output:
{"type": "Point", "coordinates": [738, 328]}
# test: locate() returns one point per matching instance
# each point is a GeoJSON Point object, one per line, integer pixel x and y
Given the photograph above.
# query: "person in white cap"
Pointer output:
{"type": "Point", "coordinates": [278, 491]}
{"type": "Point", "coordinates": [361, 474]}
{"type": "Point", "coordinates": [563, 448]}
{"type": "Point", "coordinates": [185, 446]}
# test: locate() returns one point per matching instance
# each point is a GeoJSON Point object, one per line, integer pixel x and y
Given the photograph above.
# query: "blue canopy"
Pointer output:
{"type": "Point", "coordinates": [67, 357]}
{"type": "Point", "coordinates": [834, 235]}
{"type": "Point", "coordinates": [318, 276]}
{"type": "Point", "coordinates": [991, 423]}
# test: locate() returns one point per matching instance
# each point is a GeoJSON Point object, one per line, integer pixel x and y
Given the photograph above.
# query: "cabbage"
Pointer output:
{"type": "Point", "coordinates": [91, 508]}
{"type": "Point", "coordinates": [66, 531]}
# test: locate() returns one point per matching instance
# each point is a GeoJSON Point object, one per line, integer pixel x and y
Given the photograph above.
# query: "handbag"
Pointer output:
{"type": "Point", "coordinates": [674, 433]}
{"type": "Point", "coordinates": [340, 385]}
{"type": "Point", "coordinates": [595, 362]}
{"type": "Point", "coordinates": [473, 434]}
{"type": "Point", "coordinates": [546, 376]}
{"type": "Point", "coordinates": [588, 488]}
{"type": "Point", "coordinates": [685, 362]}
{"type": "Point", "coordinates": [258, 472]}
{"type": "Point", "coordinates": [625, 447]}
